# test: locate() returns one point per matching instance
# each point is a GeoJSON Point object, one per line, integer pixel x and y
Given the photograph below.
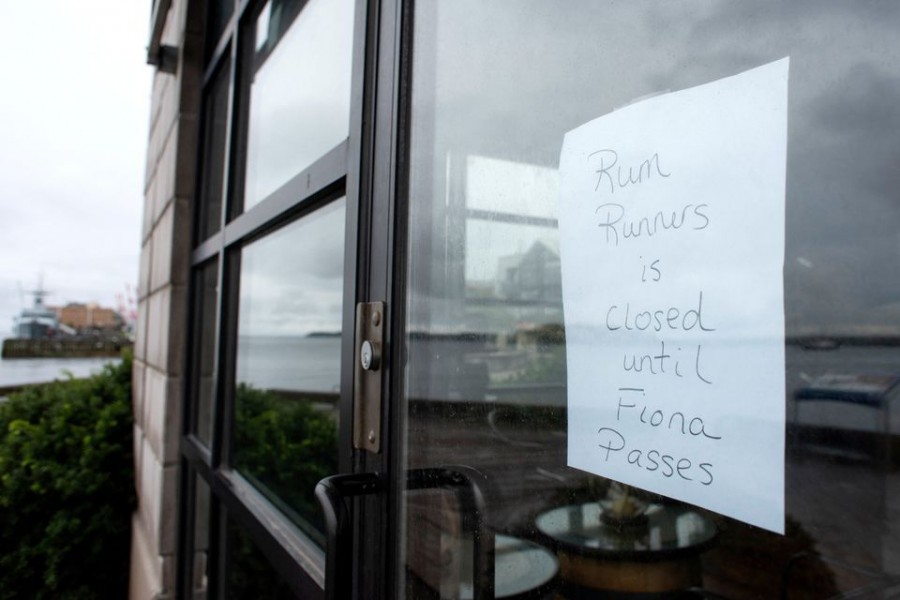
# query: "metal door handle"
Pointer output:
{"type": "Point", "coordinates": [331, 492]}
{"type": "Point", "coordinates": [468, 485]}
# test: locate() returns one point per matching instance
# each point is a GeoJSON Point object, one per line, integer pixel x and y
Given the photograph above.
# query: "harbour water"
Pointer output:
{"type": "Point", "coordinates": [290, 362]}
{"type": "Point", "coordinates": [21, 371]}
{"type": "Point", "coordinates": [313, 364]}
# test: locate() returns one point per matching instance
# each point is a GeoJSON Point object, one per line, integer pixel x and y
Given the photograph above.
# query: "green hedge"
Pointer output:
{"type": "Point", "coordinates": [285, 446]}
{"type": "Point", "coordinates": [67, 488]}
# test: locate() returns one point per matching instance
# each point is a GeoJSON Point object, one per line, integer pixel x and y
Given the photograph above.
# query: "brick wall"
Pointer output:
{"type": "Point", "coordinates": [83, 316]}
{"type": "Point", "coordinates": [162, 304]}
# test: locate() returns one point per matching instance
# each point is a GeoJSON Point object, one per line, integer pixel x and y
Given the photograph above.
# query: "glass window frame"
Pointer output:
{"type": "Point", "coordinates": [399, 309]}
{"type": "Point", "coordinates": [335, 174]}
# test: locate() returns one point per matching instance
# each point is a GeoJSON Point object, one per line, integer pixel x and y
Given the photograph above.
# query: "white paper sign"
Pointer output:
{"type": "Point", "coordinates": [672, 246]}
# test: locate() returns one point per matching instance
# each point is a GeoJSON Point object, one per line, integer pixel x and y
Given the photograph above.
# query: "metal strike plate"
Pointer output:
{"type": "Point", "coordinates": [367, 379]}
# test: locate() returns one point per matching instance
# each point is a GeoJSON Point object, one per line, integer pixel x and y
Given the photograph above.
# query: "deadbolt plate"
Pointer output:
{"type": "Point", "coordinates": [367, 381]}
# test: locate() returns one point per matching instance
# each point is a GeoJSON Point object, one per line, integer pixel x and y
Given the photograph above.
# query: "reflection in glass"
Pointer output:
{"type": "Point", "coordinates": [485, 358]}
{"type": "Point", "coordinates": [212, 172]}
{"type": "Point", "coordinates": [288, 361]}
{"type": "Point", "coordinates": [206, 285]}
{"type": "Point", "coordinates": [200, 569]}
{"type": "Point", "coordinates": [219, 13]}
{"type": "Point", "coordinates": [248, 573]}
{"type": "Point", "coordinates": [300, 92]}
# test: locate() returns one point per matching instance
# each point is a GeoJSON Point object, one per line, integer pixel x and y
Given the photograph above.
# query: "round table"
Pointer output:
{"type": "Point", "coordinates": [658, 555]}
{"type": "Point", "coordinates": [522, 569]}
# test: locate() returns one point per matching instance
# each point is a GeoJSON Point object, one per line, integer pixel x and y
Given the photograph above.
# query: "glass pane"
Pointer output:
{"type": "Point", "coordinates": [288, 361]}
{"type": "Point", "coordinates": [215, 130]}
{"type": "Point", "coordinates": [200, 568]}
{"type": "Point", "coordinates": [249, 575]}
{"type": "Point", "coordinates": [203, 317]}
{"type": "Point", "coordinates": [300, 91]}
{"type": "Point", "coordinates": [485, 355]}
{"type": "Point", "coordinates": [220, 12]}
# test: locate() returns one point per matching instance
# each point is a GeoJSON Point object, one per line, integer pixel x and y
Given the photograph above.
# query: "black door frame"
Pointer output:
{"type": "Point", "coordinates": [363, 169]}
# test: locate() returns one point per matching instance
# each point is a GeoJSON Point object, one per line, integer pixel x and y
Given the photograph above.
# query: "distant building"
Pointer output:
{"type": "Point", "coordinates": [531, 275]}
{"type": "Point", "coordinates": [88, 316]}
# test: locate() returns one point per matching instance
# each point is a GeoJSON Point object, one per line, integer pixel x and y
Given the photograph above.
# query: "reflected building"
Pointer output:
{"type": "Point", "coordinates": [533, 275]}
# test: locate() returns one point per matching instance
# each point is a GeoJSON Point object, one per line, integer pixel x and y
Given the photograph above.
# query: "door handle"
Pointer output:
{"type": "Point", "coordinates": [468, 485]}
{"type": "Point", "coordinates": [331, 493]}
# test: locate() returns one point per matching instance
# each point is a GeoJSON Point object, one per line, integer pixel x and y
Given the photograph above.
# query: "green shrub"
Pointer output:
{"type": "Point", "coordinates": [67, 488]}
{"type": "Point", "coordinates": [285, 446]}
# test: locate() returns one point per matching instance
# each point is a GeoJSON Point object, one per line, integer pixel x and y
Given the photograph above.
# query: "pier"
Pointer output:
{"type": "Point", "coordinates": [64, 348]}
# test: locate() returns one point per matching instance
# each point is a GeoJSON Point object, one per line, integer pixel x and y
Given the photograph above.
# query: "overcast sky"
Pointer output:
{"type": "Point", "coordinates": [74, 114]}
{"type": "Point", "coordinates": [480, 92]}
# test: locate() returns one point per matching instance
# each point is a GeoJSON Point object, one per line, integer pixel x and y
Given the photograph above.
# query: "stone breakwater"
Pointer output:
{"type": "Point", "coordinates": [64, 348]}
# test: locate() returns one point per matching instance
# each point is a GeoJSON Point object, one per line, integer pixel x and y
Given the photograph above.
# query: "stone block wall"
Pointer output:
{"type": "Point", "coordinates": [159, 351]}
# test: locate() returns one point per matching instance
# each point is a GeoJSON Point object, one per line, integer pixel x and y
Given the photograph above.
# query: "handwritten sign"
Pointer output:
{"type": "Point", "coordinates": [672, 247]}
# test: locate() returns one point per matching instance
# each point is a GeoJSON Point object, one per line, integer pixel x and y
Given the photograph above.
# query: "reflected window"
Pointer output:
{"type": "Point", "coordinates": [200, 567]}
{"type": "Point", "coordinates": [288, 361]}
{"type": "Point", "coordinates": [212, 172]}
{"type": "Point", "coordinates": [248, 573]}
{"type": "Point", "coordinates": [218, 15]}
{"type": "Point", "coordinates": [300, 90]}
{"type": "Point", "coordinates": [206, 288]}
{"type": "Point", "coordinates": [494, 313]}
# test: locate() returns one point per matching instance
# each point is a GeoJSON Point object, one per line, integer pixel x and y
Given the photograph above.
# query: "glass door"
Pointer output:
{"type": "Point", "coordinates": [274, 287]}
{"type": "Point", "coordinates": [485, 502]}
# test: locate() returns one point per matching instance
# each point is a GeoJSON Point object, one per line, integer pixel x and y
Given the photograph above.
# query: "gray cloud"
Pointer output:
{"type": "Point", "coordinates": [480, 90]}
{"type": "Point", "coordinates": [72, 152]}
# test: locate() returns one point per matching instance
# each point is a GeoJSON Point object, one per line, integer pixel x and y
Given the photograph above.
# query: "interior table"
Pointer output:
{"type": "Point", "coordinates": [523, 570]}
{"type": "Point", "coordinates": [653, 555]}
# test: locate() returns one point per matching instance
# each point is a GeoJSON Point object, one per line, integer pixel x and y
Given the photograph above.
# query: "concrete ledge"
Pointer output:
{"type": "Point", "coordinates": [146, 569]}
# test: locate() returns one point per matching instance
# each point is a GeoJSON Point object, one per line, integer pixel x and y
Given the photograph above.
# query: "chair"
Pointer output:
{"type": "Point", "coordinates": [870, 391]}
